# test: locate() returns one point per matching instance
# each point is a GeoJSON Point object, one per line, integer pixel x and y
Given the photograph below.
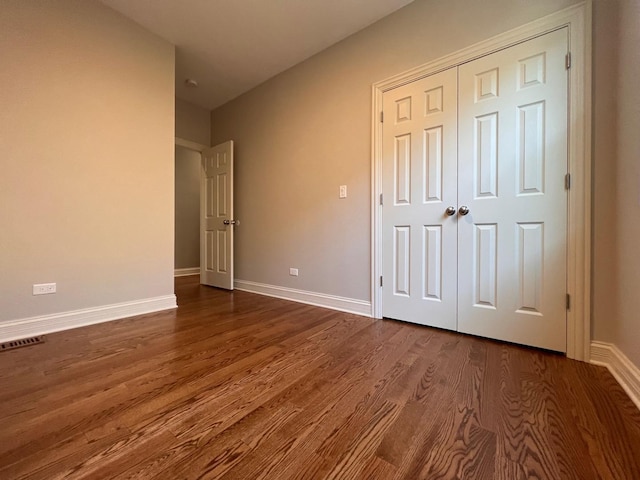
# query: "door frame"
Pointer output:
{"type": "Point", "coordinates": [578, 20]}
{"type": "Point", "coordinates": [196, 147]}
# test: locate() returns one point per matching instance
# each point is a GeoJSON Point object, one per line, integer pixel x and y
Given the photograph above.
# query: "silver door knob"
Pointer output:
{"type": "Point", "coordinates": [450, 211]}
{"type": "Point", "coordinates": [463, 210]}
{"type": "Point", "coordinates": [231, 222]}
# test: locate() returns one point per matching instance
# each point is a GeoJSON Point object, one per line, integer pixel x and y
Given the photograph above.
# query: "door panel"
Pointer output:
{"type": "Point", "coordinates": [216, 207]}
{"type": "Point", "coordinates": [419, 183]}
{"type": "Point", "coordinates": [512, 164]}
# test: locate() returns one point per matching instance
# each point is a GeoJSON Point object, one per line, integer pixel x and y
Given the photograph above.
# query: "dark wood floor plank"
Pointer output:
{"type": "Point", "coordinates": [378, 469]}
{"type": "Point", "coordinates": [273, 408]}
{"type": "Point", "coordinates": [365, 442]}
{"type": "Point", "coordinates": [251, 431]}
{"type": "Point", "coordinates": [507, 470]}
{"type": "Point", "coordinates": [338, 405]}
{"type": "Point", "coordinates": [521, 431]}
{"type": "Point", "coordinates": [441, 433]}
{"type": "Point", "coordinates": [43, 430]}
{"type": "Point", "coordinates": [239, 386]}
{"type": "Point", "coordinates": [48, 463]}
{"type": "Point", "coordinates": [120, 456]}
{"type": "Point", "coordinates": [393, 445]}
{"type": "Point", "coordinates": [564, 438]}
{"type": "Point", "coordinates": [462, 449]}
{"type": "Point", "coordinates": [612, 437]}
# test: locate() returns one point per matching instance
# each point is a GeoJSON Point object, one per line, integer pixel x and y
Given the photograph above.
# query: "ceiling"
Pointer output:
{"type": "Point", "coordinates": [230, 46]}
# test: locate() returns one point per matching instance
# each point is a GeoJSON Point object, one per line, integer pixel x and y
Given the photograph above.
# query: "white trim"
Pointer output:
{"type": "Point", "coordinates": [623, 370]}
{"type": "Point", "coordinates": [29, 327]}
{"type": "Point", "coordinates": [185, 272]}
{"type": "Point", "coordinates": [350, 305]}
{"type": "Point", "coordinates": [181, 142]}
{"type": "Point", "coordinates": [578, 20]}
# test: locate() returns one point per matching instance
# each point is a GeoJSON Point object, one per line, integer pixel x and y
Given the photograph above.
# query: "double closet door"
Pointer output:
{"type": "Point", "coordinates": [474, 198]}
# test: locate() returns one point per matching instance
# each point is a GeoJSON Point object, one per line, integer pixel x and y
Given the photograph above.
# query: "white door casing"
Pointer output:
{"type": "Point", "coordinates": [512, 162]}
{"type": "Point", "coordinates": [216, 208]}
{"type": "Point", "coordinates": [419, 183]}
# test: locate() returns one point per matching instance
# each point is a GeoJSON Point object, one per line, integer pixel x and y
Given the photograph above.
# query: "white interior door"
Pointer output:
{"type": "Point", "coordinates": [419, 183]}
{"type": "Point", "coordinates": [216, 217]}
{"type": "Point", "coordinates": [488, 138]}
{"type": "Point", "coordinates": [511, 176]}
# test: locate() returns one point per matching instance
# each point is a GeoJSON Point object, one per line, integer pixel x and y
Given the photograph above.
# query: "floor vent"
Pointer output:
{"type": "Point", "coordinates": [23, 342]}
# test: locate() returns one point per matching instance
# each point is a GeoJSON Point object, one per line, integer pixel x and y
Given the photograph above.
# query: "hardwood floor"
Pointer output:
{"type": "Point", "coordinates": [241, 386]}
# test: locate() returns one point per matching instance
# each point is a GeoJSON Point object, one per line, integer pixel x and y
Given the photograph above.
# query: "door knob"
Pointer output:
{"type": "Point", "coordinates": [231, 222]}
{"type": "Point", "coordinates": [463, 210]}
{"type": "Point", "coordinates": [450, 211]}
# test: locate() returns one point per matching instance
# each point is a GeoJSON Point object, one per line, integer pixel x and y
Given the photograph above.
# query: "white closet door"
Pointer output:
{"type": "Point", "coordinates": [512, 166]}
{"type": "Point", "coordinates": [419, 183]}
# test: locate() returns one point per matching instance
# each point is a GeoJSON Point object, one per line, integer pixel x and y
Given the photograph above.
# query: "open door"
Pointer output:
{"type": "Point", "coordinates": [216, 217]}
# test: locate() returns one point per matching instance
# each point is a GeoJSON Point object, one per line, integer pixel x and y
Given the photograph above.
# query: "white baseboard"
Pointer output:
{"type": "Point", "coordinates": [350, 305]}
{"type": "Point", "coordinates": [29, 327]}
{"type": "Point", "coordinates": [184, 272]}
{"type": "Point", "coordinates": [624, 371]}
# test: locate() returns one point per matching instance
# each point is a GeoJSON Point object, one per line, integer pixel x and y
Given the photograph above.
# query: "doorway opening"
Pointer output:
{"type": "Point", "coordinates": [188, 160]}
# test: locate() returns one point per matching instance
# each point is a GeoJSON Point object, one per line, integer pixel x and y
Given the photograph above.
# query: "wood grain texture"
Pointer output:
{"type": "Point", "coordinates": [241, 386]}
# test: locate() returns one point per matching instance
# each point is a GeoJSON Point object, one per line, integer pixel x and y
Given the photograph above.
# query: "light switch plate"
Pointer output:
{"type": "Point", "coordinates": [343, 191]}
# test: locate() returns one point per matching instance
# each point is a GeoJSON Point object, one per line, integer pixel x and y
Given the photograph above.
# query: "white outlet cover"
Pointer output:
{"type": "Point", "coordinates": [343, 191]}
{"type": "Point", "coordinates": [44, 288]}
{"type": "Point", "coordinates": [293, 272]}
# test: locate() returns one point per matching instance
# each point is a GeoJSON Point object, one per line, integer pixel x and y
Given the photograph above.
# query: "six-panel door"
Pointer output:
{"type": "Point", "coordinates": [488, 138]}
{"type": "Point", "coordinates": [512, 161]}
{"type": "Point", "coordinates": [216, 207]}
{"type": "Point", "coordinates": [419, 183]}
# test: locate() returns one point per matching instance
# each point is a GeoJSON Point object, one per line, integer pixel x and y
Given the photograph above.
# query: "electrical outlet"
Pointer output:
{"type": "Point", "coordinates": [343, 191]}
{"type": "Point", "coordinates": [44, 288]}
{"type": "Point", "coordinates": [293, 272]}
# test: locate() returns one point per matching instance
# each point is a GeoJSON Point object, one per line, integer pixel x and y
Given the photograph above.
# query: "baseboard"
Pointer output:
{"type": "Point", "coordinates": [29, 327]}
{"type": "Point", "coordinates": [185, 272]}
{"type": "Point", "coordinates": [624, 371]}
{"type": "Point", "coordinates": [350, 305]}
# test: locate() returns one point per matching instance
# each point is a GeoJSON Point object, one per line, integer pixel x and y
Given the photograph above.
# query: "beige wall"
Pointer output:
{"type": "Point", "coordinates": [187, 214]}
{"type": "Point", "coordinates": [86, 154]}
{"type": "Point", "coordinates": [305, 132]}
{"type": "Point", "coordinates": [616, 199]}
{"type": "Point", "coordinates": [627, 200]}
{"type": "Point", "coordinates": [193, 123]}
{"type": "Point", "coordinates": [605, 75]}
